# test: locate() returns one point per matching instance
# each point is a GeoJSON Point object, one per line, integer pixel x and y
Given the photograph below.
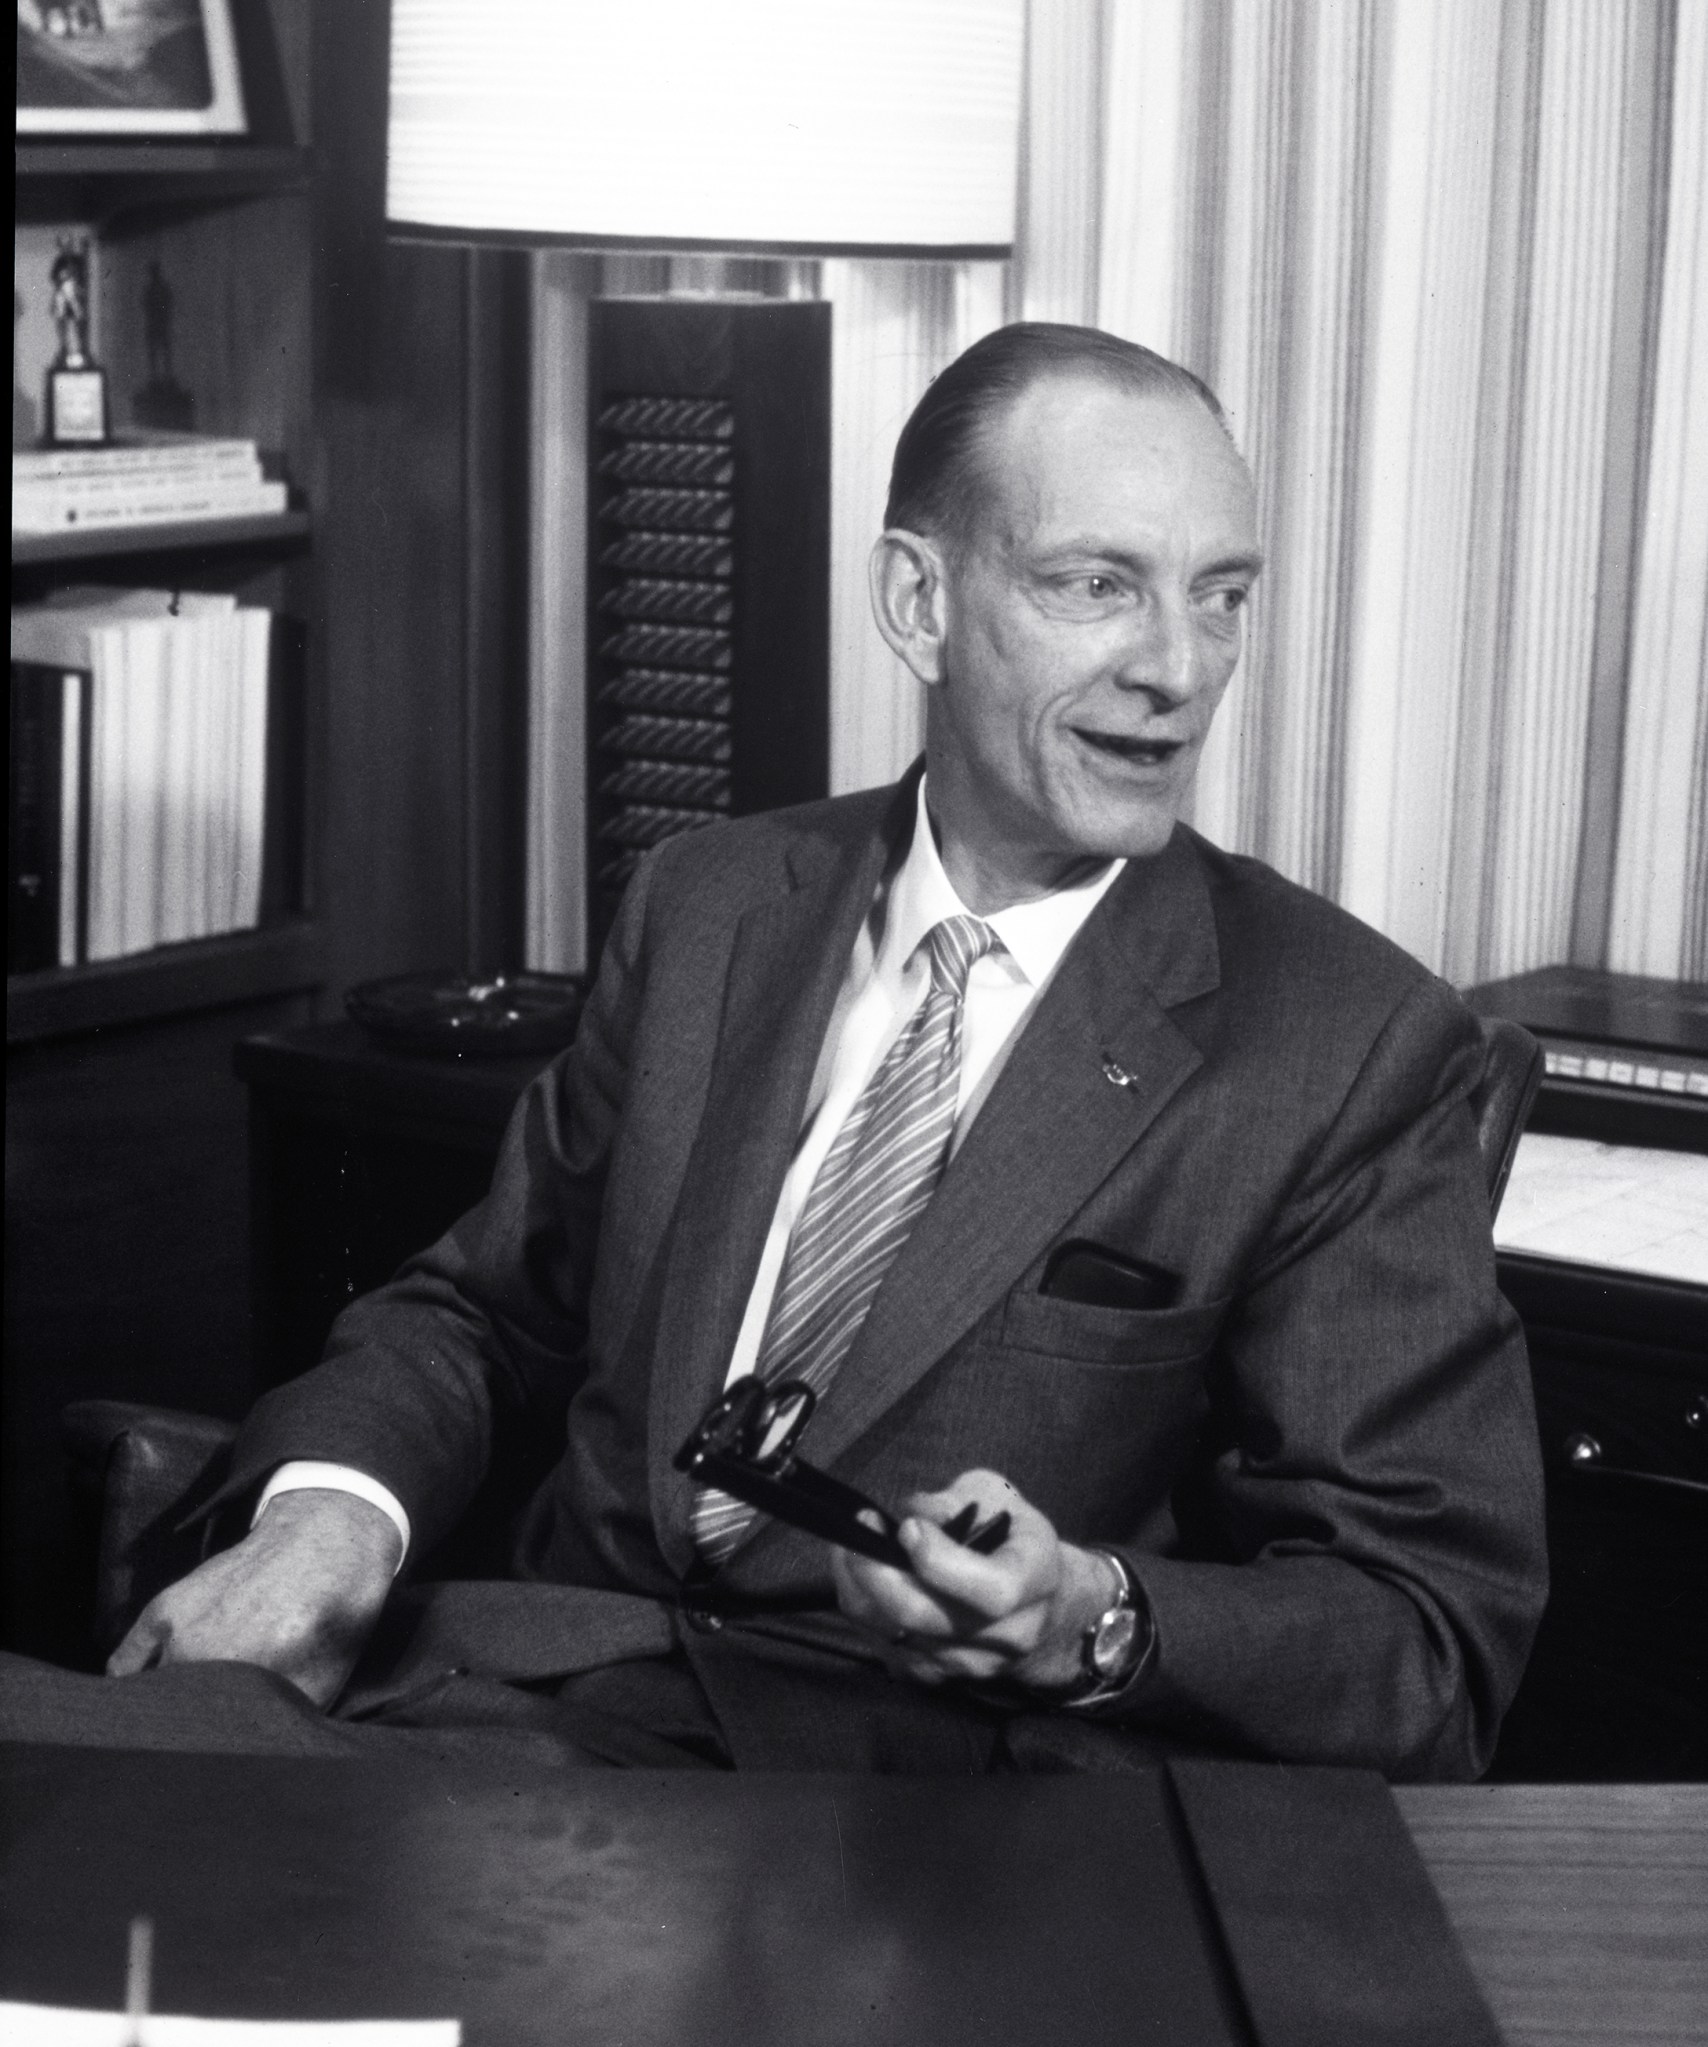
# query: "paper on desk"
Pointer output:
{"type": "Point", "coordinates": [1613, 1205]}
{"type": "Point", "coordinates": [58, 2025]}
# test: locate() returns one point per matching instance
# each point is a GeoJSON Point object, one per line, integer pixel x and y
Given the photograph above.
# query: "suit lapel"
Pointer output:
{"type": "Point", "coordinates": [789, 955]}
{"type": "Point", "coordinates": [1054, 1127]}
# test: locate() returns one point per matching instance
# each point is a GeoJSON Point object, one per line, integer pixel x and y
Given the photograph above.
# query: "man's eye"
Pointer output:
{"type": "Point", "coordinates": [1098, 586]}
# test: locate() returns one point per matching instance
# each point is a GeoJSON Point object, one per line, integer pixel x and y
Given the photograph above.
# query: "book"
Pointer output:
{"type": "Point", "coordinates": [251, 671]}
{"type": "Point", "coordinates": [126, 764]}
{"type": "Point", "coordinates": [49, 508]}
{"type": "Point", "coordinates": [146, 455]}
{"type": "Point", "coordinates": [46, 771]}
{"type": "Point", "coordinates": [162, 782]}
{"type": "Point", "coordinates": [76, 477]}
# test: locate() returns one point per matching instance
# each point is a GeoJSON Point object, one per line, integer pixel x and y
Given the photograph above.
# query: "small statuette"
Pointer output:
{"type": "Point", "coordinates": [77, 413]}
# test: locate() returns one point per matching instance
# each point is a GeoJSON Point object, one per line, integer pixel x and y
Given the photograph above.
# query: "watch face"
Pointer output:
{"type": "Point", "coordinates": [1112, 1644]}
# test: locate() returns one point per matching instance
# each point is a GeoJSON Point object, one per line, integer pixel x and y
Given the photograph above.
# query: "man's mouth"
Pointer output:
{"type": "Point", "coordinates": [1149, 753]}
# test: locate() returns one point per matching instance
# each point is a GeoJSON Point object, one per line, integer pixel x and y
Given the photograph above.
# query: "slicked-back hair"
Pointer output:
{"type": "Point", "coordinates": [934, 480]}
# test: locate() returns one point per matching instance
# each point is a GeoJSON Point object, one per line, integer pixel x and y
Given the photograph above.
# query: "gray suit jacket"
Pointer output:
{"type": "Point", "coordinates": [1321, 1465]}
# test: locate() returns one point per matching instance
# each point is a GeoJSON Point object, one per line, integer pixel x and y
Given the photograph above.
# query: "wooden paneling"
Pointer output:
{"type": "Point", "coordinates": [390, 630]}
{"type": "Point", "coordinates": [496, 451]}
{"type": "Point", "coordinates": [419, 405]}
{"type": "Point", "coordinates": [237, 302]}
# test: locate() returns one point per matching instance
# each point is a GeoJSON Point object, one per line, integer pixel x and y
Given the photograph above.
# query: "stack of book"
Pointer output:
{"type": "Point", "coordinates": [137, 779]}
{"type": "Point", "coordinates": [165, 477]}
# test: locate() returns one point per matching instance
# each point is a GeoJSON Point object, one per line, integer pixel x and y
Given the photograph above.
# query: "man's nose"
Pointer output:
{"type": "Point", "coordinates": [1161, 653]}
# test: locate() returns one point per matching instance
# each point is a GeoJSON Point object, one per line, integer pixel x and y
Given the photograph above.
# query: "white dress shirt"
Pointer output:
{"type": "Point", "coordinates": [887, 980]}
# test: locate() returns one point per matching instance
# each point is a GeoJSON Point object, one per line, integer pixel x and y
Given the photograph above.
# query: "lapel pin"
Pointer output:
{"type": "Point", "coordinates": [1117, 1075]}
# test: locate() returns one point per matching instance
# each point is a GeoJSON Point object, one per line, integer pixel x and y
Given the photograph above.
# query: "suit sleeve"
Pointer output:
{"type": "Point", "coordinates": [480, 1340]}
{"type": "Point", "coordinates": [1375, 1496]}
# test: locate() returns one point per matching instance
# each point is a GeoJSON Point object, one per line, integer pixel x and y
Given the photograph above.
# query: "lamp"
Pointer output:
{"type": "Point", "coordinates": [770, 127]}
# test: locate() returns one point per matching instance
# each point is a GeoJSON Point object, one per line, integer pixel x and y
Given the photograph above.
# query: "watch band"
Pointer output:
{"type": "Point", "coordinates": [1107, 1684]}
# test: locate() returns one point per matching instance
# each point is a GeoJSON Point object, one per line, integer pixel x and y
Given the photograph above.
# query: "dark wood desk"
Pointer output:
{"type": "Point", "coordinates": [656, 1910]}
{"type": "Point", "coordinates": [600, 1907]}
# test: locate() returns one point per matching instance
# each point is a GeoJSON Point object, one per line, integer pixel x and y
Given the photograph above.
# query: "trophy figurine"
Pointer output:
{"type": "Point", "coordinates": [76, 386]}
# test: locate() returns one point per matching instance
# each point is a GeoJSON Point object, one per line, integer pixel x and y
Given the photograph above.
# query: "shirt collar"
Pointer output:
{"type": "Point", "coordinates": [1035, 934]}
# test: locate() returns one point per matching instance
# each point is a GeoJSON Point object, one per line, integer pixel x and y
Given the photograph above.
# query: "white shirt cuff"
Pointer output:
{"type": "Point", "coordinates": [304, 1475]}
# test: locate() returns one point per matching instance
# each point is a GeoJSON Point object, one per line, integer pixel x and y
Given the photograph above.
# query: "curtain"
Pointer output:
{"type": "Point", "coordinates": [1660, 885]}
{"type": "Point", "coordinates": [895, 325]}
{"type": "Point", "coordinates": [1444, 262]}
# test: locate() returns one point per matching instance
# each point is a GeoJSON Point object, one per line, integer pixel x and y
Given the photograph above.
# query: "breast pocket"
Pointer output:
{"type": "Point", "coordinates": [1110, 1336]}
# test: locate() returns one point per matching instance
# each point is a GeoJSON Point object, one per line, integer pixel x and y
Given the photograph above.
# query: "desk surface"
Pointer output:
{"type": "Point", "coordinates": [1582, 1908]}
{"type": "Point", "coordinates": [628, 1907]}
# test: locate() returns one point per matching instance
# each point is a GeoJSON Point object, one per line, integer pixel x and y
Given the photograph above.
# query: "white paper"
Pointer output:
{"type": "Point", "coordinates": [53, 2025]}
{"type": "Point", "coordinates": [71, 743]}
{"type": "Point", "coordinates": [180, 688]}
{"type": "Point", "coordinates": [254, 645]}
{"type": "Point", "coordinates": [1619, 1206]}
{"type": "Point", "coordinates": [108, 780]}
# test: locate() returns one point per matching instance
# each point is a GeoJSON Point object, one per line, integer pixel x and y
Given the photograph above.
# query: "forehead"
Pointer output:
{"type": "Point", "coordinates": [1081, 456]}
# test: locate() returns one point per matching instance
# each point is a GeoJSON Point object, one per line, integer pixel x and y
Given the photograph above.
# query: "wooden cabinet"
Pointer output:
{"type": "Point", "coordinates": [1618, 1684]}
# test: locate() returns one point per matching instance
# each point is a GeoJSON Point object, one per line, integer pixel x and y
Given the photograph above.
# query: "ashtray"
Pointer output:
{"type": "Point", "coordinates": [449, 1013]}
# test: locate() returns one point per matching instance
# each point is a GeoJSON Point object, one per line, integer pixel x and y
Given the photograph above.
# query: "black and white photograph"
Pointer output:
{"type": "Point", "coordinates": [857, 1025]}
{"type": "Point", "coordinates": [127, 67]}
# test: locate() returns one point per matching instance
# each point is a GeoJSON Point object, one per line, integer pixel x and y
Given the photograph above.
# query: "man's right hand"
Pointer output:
{"type": "Point", "coordinates": [298, 1595]}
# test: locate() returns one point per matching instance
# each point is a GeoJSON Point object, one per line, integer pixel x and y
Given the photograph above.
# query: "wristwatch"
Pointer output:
{"type": "Point", "coordinates": [1115, 1644]}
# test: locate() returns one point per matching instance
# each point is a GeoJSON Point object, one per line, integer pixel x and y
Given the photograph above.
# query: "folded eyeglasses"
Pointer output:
{"type": "Point", "coordinates": [745, 1445]}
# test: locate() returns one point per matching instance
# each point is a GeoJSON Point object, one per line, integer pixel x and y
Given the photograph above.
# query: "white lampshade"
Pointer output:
{"type": "Point", "coordinates": [801, 127]}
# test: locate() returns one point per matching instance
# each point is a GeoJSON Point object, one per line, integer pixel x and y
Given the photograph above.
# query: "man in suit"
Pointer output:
{"type": "Point", "coordinates": [1088, 1174]}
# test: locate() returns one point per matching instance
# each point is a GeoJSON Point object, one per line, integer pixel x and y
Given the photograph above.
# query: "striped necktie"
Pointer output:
{"type": "Point", "coordinates": [877, 1176]}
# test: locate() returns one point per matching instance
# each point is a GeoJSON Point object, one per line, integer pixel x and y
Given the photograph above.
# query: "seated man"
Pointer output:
{"type": "Point", "coordinates": [1084, 1171]}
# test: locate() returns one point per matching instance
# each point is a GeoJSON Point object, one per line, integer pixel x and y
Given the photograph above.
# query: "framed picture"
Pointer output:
{"type": "Point", "coordinates": [128, 67]}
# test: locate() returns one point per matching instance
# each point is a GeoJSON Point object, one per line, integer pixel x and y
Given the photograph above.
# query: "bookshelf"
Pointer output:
{"type": "Point", "coordinates": [136, 545]}
{"type": "Point", "coordinates": [227, 224]}
{"type": "Point", "coordinates": [96, 180]}
{"type": "Point", "coordinates": [207, 973]}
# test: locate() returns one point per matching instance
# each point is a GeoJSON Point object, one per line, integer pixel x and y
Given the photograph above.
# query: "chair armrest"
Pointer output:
{"type": "Point", "coordinates": [1512, 1072]}
{"type": "Point", "coordinates": [155, 1469]}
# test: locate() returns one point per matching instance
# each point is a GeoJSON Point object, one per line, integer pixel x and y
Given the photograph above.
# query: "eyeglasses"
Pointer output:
{"type": "Point", "coordinates": [757, 1421]}
{"type": "Point", "coordinates": [745, 1444]}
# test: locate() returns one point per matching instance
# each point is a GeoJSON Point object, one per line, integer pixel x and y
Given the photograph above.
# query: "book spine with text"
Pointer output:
{"type": "Point", "coordinates": [47, 814]}
{"type": "Point", "coordinates": [34, 466]}
{"type": "Point", "coordinates": [51, 511]}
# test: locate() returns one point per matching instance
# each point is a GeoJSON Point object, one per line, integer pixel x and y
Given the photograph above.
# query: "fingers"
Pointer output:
{"type": "Point", "coordinates": [142, 1648]}
{"type": "Point", "coordinates": [298, 1596]}
{"type": "Point", "coordinates": [956, 1576]}
{"type": "Point", "coordinates": [955, 1613]}
{"type": "Point", "coordinates": [887, 1602]}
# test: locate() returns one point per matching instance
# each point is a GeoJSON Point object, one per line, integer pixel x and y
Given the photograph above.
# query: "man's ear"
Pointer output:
{"type": "Point", "coordinates": [909, 600]}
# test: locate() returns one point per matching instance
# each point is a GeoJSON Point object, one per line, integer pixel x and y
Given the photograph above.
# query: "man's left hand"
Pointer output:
{"type": "Point", "coordinates": [1019, 1614]}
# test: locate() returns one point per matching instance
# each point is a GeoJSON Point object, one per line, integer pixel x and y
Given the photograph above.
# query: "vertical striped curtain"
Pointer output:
{"type": "Point", "coordinates": [894, 327]}
{"type": "Point", "coordinates": [1659, 921]}
{"type": "Point", "coordinates": [1444, 261]}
